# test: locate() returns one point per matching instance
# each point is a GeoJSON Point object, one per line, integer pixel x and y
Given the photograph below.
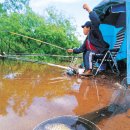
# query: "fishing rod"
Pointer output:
{"type": "Point", "coordinates": [14, 33]}
{"type": "Point", "coordinates": [18, 34]}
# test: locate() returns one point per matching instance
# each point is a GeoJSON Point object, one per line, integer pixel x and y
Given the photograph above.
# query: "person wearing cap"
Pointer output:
{"type": "Point", "coordinates": [94, 42]}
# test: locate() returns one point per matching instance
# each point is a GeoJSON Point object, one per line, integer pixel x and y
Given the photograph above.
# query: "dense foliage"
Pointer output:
{"type": "Point", "coordinates": [55, 28]}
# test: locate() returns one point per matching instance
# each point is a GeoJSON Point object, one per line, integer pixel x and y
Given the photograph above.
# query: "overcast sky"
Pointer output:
{"type": "Point", "coordinates": [71, 8]}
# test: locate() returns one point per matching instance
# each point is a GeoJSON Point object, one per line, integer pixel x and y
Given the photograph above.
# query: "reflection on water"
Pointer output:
{"type": "Point", "coordinates": [11, 75]}
{"type": "Point", "coordinates": [31, 93]}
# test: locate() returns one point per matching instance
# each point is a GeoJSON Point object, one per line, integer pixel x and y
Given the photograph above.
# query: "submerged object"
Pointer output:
{"type": "Point", "coordinates": [67, 123]}
{"type": "Point", "coordinates": [71, 71]}
{"type": "Point", "coordinates": [83, 122]}
{"type": "Point", "coordinates": [58, 126]}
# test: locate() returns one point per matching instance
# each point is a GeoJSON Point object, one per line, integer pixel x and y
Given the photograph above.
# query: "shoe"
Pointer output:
{"type": "Point", "coordinates": [87, 73]}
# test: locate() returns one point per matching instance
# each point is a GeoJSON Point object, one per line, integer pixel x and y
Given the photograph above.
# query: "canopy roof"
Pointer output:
{"type": "Point", "coordinates": [105, 4]}
{"type": "Point", "coordinates": [112, 12]}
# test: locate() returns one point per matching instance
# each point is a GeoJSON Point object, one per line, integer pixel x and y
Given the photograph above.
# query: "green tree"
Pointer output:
{"type": "Point", "coordinates": [60, 32]}
{"type": "Point", "coordinates": [15, 5]}
{"type": "Point", "coordinates": [1, 9]}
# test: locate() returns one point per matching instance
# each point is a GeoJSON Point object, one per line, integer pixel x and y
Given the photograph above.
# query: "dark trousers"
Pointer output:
{"type": "Point", "coordinates": [87, 59]}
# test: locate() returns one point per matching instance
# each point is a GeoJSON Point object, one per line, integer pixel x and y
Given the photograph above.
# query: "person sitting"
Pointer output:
{"type": "Point", "coordinates": [94, 42]}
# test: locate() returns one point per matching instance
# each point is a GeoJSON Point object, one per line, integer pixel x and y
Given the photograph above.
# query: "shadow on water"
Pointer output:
{"type": "Point", "coordinates": [31, 93]}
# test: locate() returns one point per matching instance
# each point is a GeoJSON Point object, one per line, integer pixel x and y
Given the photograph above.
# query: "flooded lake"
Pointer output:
{"type": "Point", "coordinates": [32, 93]}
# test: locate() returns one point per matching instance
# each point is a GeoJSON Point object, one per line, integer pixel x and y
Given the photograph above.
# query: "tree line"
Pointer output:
{"type": "Point", "coordinates": [55, 28]}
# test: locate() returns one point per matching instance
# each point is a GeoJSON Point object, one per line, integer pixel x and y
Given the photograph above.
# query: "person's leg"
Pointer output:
{"type": "Point", "coordinates": [88, 61]}
{"type": "Point", "coordinates": [84, 61]}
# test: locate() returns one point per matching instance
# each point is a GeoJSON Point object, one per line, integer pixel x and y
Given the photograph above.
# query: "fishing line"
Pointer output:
{"type": "Point", "coordinates": [35, 61]}
{"type": "Point", "coordinates": [22, 54]}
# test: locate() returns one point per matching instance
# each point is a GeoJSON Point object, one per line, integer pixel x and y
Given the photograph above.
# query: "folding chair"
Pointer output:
{"type": "Point", "coordinates": [110, 55]}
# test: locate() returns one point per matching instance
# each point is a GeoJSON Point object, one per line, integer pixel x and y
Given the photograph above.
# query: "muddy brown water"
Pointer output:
{"type": "Point", "coordinates": [32, 93]}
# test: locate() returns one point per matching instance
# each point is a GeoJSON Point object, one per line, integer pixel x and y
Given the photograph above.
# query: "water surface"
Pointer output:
{"type": "Point", "coordinates": [32, 93]}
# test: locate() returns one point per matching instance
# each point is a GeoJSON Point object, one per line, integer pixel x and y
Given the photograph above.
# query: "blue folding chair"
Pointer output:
{"type": "Point", "coordinates": [110, 55]}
